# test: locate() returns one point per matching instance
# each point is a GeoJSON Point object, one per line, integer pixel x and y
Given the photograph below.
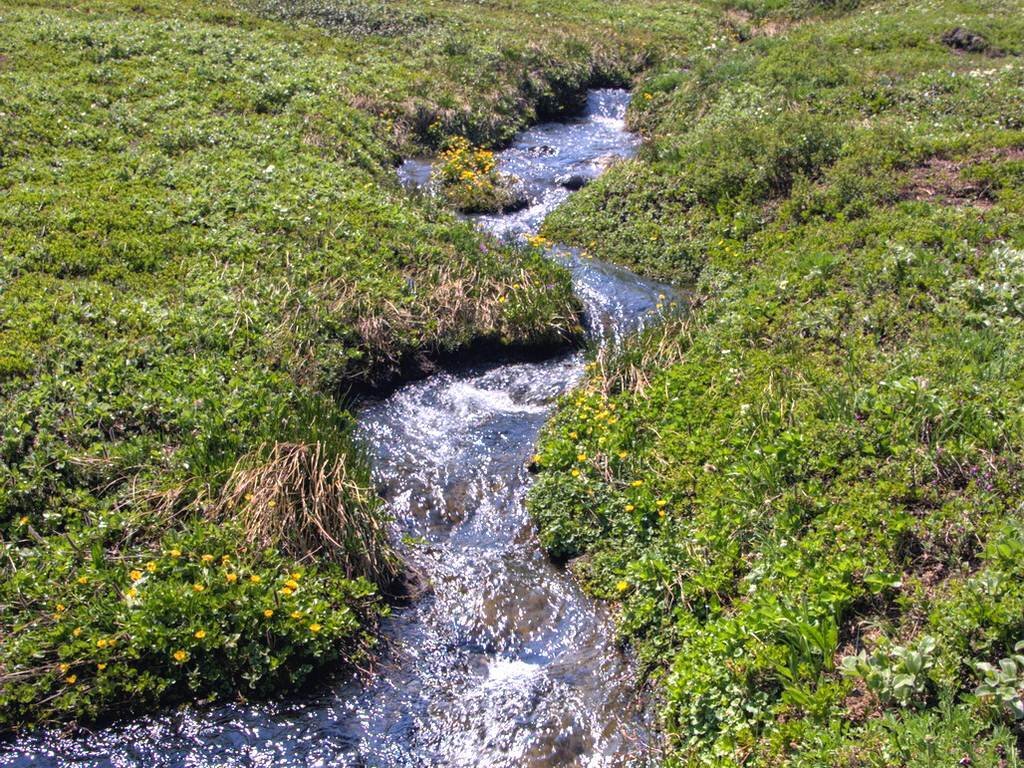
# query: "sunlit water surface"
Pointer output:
{"type": "Point", "coordinates": [505, 662]}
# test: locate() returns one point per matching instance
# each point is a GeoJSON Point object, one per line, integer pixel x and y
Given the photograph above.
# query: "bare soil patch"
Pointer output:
{"type": "Point", "coordinates": [940, 180]}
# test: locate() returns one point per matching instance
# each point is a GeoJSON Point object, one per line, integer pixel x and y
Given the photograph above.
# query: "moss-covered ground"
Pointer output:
{"type": "Point", "coordinates": [806, 492]}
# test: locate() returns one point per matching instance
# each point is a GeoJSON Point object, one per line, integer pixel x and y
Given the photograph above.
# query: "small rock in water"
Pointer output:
{"type": "Point", "coordinates": [518, 202]}
{"type": "Point", "coordinates": [542, 150]}
{"type": "Point", "coordinates": [573, 181]}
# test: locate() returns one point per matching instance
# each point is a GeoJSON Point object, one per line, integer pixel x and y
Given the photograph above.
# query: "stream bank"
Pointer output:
{"type": "Point", "coordinates": [505, 662]}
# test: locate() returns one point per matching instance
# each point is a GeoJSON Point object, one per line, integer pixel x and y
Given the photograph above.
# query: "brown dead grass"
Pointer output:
{"type": "Point", "coordinates": [628, 367]}
{"type": "Point", "coordinates": [744, 26]}
{"type": "Point", "coordinates": [300, 499]}
{"type": "Point", "coordinates": [941, 180]}
{"type": "Point", "coordinates": [455, 305]}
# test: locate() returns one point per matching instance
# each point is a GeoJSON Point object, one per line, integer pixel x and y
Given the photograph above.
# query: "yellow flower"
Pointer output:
{"type": "Point", "coordinates": [76, 631]}
{"type": "Point", "coordinates": [575, 473]}
{"type": "Point", "coordinates": [135, 575]}
{"type": "Point", "coordinates": [537, 458]}
{"type": "Point", "coordinates": [60, 607]}
{"type": "Point", "coordinates": [630, 507]}
{"type": "Point", "coordinates": [661, 502]}
{"type": "Point", "coordinates": [151, 566]}
{"type": "Point", "coordinates": [101, 643]}
{"type": "Point", "coordinates": [623, 454]}
{"type": "Point", "coordinates": [268, 613]}
{"type": "Point", "coordinates": [131, 592]}
{"type": "Point", "coordinates": [225, 558]}
{"type": "Point", "coordinates": [101, 666]}
{"type": "Point", "coordinates": [622, 586]}
{"type": "Point", "coordinates": [661, 513]}
{"type": "Point", "coordinates": [286, 591]}
{"type": "Point", "coordinates": [71, 679]}
{"type": "Point", "coordinates": [198, 587]}
{"type": "Point", "coordinates": [23, 520]}
{"type": "Point", "coordinates": [581, 457]}
{"type": "Point", "coordinates": [83, 579]}
{"type": "Point", "coordinates": [637, 483]}
{"type": "Point", "coordinates": [292, 584]}
{"type": "Point", "coordinates": [296, 575]}
{"type": "Point", "coordinates": [65, 667]}
{"type": "Point", "coordinates": [255, 579]}
{"type": "Point", "coordinates": [232, 578]}
{"type": "Point", "coordinates": [296, 614]}
{"type": "Point", "coordinates": [175, 553]}
{"type": "Point", "coordinates": [314, 628]}
{"type": "Point", "coordinates": [180, 656]}
{"type": "Point", "coordinates": [200, 634]}
{"type": "Point", "coordinates": [207, 558]}
{"type": "Point", "coordinates": [271, 503]}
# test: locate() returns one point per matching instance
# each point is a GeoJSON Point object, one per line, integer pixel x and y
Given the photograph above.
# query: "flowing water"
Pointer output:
{"type": "Point", "coordinates": [505, 662]}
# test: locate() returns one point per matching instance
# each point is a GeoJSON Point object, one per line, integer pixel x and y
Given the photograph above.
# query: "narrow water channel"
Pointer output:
{"type": "Point", "coordinates": [505, 662]}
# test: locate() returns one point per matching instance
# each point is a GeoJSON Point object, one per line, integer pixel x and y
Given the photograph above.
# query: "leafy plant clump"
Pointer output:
{"type": "Point", "coordinates": [893, 673]}
{"type": "Point", "coordinates": [469, 181]}
{"type": "Point", "coordinates": [1003, 684]}
{"type": "Point", "coordinates": [192, 617]}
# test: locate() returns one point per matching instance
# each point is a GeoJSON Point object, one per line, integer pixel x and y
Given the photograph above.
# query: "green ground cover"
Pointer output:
{"type": "Point", "coordinates": [807, 493]}
{"type": "Point", "coordinates": [203, 247]}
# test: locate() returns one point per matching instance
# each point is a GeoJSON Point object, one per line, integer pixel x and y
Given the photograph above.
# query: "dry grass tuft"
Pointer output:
{"type": "Point", "coordinates": [457, 303]}
{"type": "Point", "coordinates": [301, 499]}
{"type": "Point", "coordinates": [628, 366]}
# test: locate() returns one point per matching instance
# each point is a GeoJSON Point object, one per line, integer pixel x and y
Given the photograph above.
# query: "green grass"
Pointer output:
{"type": "Point", "coordinates": [824, 457]}
{"type": "Point", "coordinates": [203, 249]}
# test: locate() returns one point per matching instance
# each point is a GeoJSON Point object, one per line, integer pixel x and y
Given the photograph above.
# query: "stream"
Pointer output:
{"type": "Point", "coordinates": [505, 662]}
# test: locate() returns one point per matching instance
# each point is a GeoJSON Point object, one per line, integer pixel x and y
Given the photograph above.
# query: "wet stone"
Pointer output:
{"type": "Point", "coordinates": [542, 150]}
{"type": "Point", "coordinates": [573, 181]}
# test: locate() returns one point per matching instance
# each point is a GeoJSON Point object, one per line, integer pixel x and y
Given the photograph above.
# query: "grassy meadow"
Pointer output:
{"type": "Point", "coordinates": [204, 251]}
{"type": "Point", "coordinates": [806, 492]}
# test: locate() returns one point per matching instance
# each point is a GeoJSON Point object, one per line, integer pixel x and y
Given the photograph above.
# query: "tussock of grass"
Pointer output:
{"type": "Point", "coordinates": [301, 500]}
{"type": "Point", "coordinates": [628, 367]}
